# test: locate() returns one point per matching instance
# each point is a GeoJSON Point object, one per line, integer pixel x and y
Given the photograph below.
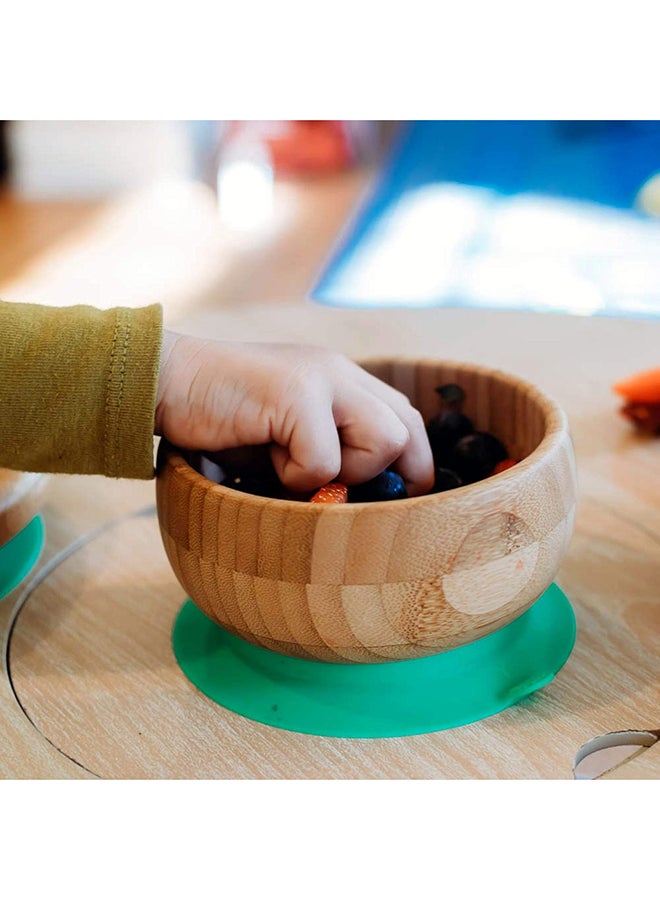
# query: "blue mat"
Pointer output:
{"type": "Point", "coordinates": [529, 215]}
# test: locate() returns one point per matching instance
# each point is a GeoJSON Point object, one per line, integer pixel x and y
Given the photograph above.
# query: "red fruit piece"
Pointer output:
{"type": "Point", "coordinates": [503, 466]}
{"type": "Point", "coordinates": [643, 387]}
{"type": "Point", "coordinates": [335, 492]}
{"type": "Point", "coordinates": [646, 416]}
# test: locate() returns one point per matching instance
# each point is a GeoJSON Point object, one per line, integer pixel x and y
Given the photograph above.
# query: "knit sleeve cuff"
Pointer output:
{"type": "Point", "coordinates": [78, 389]}
{"type": "Point", "coordinates": [130, 395]}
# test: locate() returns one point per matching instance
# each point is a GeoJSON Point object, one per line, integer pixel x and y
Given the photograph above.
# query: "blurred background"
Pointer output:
{"type": "Point", "coordinates": [194, 215]}
{"type": "Point", "coordinates": [535, 215]}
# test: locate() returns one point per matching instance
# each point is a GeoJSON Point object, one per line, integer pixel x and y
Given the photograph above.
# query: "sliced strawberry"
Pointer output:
{"type": "Point", "coordinates": [335, 492]}
{"type": "Point", "coordinates": [503, 466]}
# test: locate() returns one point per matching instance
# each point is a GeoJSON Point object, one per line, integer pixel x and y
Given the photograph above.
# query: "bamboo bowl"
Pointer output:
{"type": "Point", "coordinates": [21, 498]}
{"type": "Point", "coordinates": [371, 582]}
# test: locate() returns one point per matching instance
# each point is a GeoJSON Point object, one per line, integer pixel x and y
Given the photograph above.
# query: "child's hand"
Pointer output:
{"type": "Point", "coordinates": [323, 415]}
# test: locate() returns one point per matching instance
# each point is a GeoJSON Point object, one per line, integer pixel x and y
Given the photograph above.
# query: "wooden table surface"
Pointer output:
{"type": "Point", "coordinates": [90, 687]}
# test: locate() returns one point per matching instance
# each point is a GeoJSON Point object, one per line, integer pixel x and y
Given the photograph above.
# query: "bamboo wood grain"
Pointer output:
{"type": "Point", "coordinates": [121, 603]}
{"type": "Point", "coordinates": [91, 660]}
{"type": "Point", "coordinates": [610, 572]}
{"type": "Point", "coordinates": [385, 581]}
{"type": "Point", "coordinates": [21, 497]}
{"type": "Point", "coordinates": [25, 750]}
{"type": "Point", "coordinates": [645, 767]}
{"type": "Point", "coordinates": [22, 748]}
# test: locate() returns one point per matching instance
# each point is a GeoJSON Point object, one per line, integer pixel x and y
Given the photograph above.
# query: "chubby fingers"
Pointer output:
{"type": "Point", "coordinates": [380, 429]}
{"type": "Point", "coordinates": [372, 436]}
{"type": "Point", "coordinates": [352, 432]}
{"type": "Point", "coordinates": [415, 462]}
{"type": "Point", "coordinates": [307, 454]}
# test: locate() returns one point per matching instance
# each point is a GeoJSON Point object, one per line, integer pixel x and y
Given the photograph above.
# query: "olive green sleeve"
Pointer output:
{"type": "Point", "coordinates": [78, 389]}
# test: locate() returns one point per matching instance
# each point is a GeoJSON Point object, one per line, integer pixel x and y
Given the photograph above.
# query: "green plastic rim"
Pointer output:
{"type": "Point", "coordinates": [19, 555]}
{"type": "Point", "coordinates": [378, 700]}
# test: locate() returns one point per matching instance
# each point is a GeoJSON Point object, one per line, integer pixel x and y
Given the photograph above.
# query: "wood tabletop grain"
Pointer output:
{"type": "Point", "coordinates": [90, 687]}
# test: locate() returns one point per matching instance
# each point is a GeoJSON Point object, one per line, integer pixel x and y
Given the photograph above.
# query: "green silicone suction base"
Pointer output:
{"type": "Point", "coordinates": [378, 700]}
{"type": "Point", "coordinates": [18, 556]}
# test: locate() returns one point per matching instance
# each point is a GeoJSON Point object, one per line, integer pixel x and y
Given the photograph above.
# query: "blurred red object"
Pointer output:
{"type": "Point", "coordinates": [641, 392]}
{"type": "Point", "coordinates": [645, 416]}
{"type": "Point", "coordinates": [312, 146]}
{"type": "Point", "coordinates": [642, 387]}
{"type": "Point", "coordinates": [301, 147]}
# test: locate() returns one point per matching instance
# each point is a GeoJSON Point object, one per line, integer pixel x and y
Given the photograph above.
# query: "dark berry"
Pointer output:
{"type": "Point", "coordinates": [645, 416]}
{"type": "Point", "coordinates": [444, 431]}
{"type": "Point", "coordinates": [445, 480]}
{"type": "Point", "coordinates": [452, 394]}
{"type": "Point", "coordinates": [259, 483]}
{"type": "Point", "coordinates": [475, 456]}
{"type": "Point", "coordinates": [244, 459]}
{"type": "Point", "coordinates": [386, 486]}
{"type": "Point", "coordinates": [249, 470]}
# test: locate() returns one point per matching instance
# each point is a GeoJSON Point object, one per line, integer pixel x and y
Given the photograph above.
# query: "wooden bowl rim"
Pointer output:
{"type": "Point", "coordinates": [556, 427]}
{"type": "Point", "coordinates": [20, 488]}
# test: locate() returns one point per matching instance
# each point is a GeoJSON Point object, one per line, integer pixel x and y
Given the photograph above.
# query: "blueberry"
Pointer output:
{"type": "Point", "coordinates": [259, 483]}
{"type": "Point", "coordinates": [247, 469]}
{"type": "Point", "coordinates": [386, 486]}
{"type": "Point", "coordinates": [445, 480]}
{"type": "Point", "coordinates": [244, 459]}
{"type": "Point", "coordinates": [475, 456]}
{"type": "Point", "coordinates": [452, 394]}
{"type": "Point", "coordinates": [444, 431]}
